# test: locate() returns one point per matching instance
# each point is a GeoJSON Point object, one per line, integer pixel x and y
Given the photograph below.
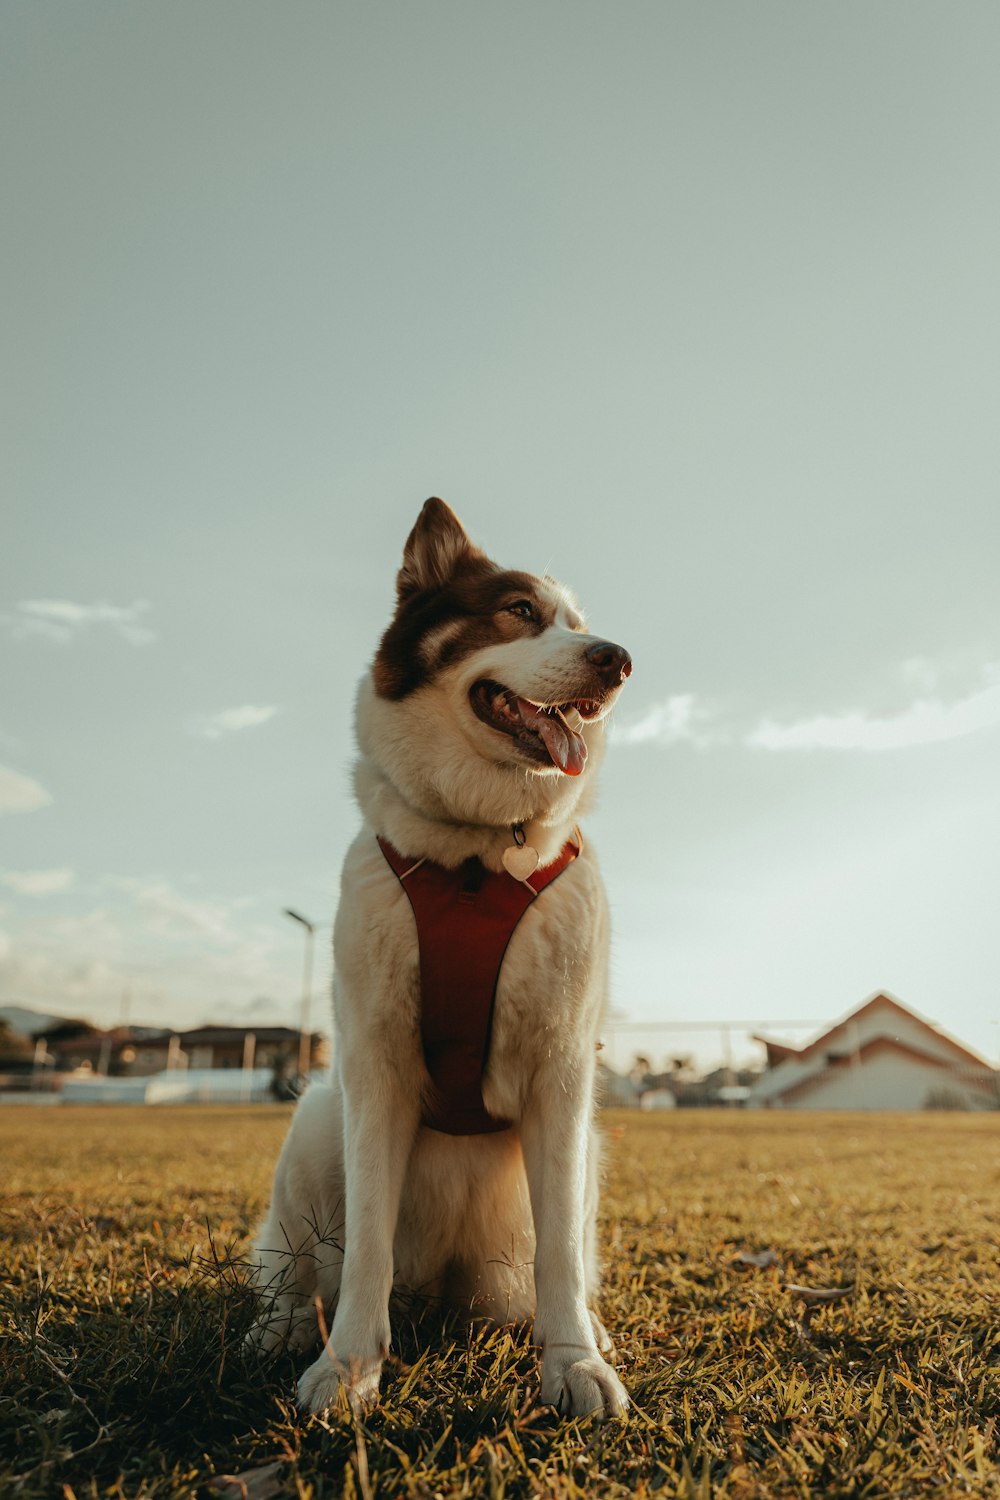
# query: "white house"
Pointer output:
{"type": "Point", "coordinates": [881, 1056]}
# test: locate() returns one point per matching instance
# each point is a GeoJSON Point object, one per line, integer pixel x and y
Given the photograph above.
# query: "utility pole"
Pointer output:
{"type": "Point", "coordinates": [305, 1049]}
{"type": "Point", "coordinates": [249, 1053]}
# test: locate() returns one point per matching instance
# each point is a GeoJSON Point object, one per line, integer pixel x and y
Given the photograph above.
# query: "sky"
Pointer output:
{"type": "Point", "coordinates": [693, 305]}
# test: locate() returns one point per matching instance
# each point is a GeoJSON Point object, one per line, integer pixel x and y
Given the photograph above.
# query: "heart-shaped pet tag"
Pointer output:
{"type": "Point", "coordinates": [520, 861]}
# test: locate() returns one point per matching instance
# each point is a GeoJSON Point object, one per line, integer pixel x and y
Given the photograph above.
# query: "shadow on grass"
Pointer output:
{"type": "Point", "coordinates": [97, 1388]}
{"type": "Point", "coordinates": [152, 1389]}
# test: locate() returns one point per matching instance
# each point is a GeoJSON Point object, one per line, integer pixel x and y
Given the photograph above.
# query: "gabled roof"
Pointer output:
{"type": "Point", "coordinates": [879, 1001]}
{"type": "Point", "coordinates": [776, 1051]}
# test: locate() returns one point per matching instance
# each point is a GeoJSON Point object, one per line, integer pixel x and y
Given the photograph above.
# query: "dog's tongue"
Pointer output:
{"type": "Point", "coordinates": [567, 748]}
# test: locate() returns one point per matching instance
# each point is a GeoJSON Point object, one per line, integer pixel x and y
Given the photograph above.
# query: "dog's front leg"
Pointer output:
{"type": "Point", "coordinates": [381, 1116]}
{"type": "Point", "coordinates": [555, 1136]}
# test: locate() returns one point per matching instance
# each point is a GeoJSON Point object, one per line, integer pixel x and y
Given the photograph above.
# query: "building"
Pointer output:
{"type": "Point", "coordinates": [234, 1047]}
{"type": "Point", "coordinates": [136, 1052]}
{"type": "Point", "coordinates": [881, 1056]}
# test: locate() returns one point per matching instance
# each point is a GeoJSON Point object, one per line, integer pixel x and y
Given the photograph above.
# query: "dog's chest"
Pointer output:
{"type": "Point", "coordinates": [466, 919]}
{"type": "Point", "coordinates": [551, 990]}
{"type": "Point", "coordinates": [546, 994]}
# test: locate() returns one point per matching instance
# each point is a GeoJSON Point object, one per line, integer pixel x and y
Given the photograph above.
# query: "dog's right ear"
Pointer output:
{"type": "Point", "coordinates": [434, 549]}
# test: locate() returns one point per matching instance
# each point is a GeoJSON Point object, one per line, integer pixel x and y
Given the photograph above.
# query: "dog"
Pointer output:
{"type": "Point", "coordinates": [453, 1152]}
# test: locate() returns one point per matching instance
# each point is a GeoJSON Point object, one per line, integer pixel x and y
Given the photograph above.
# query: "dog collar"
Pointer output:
{"type": "Point", "coordinates": [465, 919]}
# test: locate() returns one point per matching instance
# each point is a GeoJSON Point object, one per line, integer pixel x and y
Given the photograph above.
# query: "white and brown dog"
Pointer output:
{"type": "Point", "coordinates": [453, 1152]}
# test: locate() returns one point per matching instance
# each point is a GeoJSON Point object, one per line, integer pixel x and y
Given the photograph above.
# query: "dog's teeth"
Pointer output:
{"type": "Point", "coordinates": [573, 717]}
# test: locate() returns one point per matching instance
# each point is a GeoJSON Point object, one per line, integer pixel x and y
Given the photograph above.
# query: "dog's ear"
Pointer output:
{"type": "Point", "coordinates": [434, 549]}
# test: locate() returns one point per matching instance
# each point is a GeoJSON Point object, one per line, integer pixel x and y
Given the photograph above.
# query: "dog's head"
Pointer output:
{"type": "Point", "coordinates": [486, 679]}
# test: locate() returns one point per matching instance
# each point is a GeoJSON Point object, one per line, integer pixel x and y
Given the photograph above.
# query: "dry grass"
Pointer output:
{"type": "Point", "coordinates": [123, 1304]}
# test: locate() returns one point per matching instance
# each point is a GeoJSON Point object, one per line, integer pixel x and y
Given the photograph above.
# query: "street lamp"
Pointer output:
{"type": "Point", "coordinates": [307, 967]}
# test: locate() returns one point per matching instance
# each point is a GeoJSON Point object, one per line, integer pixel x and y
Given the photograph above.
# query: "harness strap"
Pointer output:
{"type": "Point", "coordinates": [465, 920]}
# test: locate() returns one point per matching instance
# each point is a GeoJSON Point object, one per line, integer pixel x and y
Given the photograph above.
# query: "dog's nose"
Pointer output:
{"type": "Point", "coordinates": [612, 662]}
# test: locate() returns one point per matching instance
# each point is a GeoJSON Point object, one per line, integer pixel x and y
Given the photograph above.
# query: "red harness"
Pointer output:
{"type": "Point", "coordinates": [465, 919]}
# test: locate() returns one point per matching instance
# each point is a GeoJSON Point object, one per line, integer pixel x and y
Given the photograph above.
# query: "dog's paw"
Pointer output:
{"type": "Point", "coordinates": [320, 1386]}
{"type": "Point", "coordinates": [583, 1387]}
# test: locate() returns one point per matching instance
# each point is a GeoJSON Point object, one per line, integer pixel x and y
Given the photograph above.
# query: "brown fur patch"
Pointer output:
{"type": "Point", "coordinates": [474, 599]}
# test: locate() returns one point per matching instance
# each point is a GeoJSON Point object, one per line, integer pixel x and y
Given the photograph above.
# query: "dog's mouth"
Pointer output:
{"type": "Point", "coordinates": [546, 732]}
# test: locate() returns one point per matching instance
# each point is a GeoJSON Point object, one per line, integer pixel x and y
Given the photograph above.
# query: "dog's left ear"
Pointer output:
{"type": "Point", "coordinates": [434, 549]}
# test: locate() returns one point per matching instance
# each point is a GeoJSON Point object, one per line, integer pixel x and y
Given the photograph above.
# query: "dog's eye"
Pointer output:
{"type": "Point", "coordinates": [523, 608]}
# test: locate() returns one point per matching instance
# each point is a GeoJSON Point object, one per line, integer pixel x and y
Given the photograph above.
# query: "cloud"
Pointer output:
{"type": "Point", "coordinates": [931, 718]}
{"type": "Point", "coordinates": [181, 960]}
{"type": "Point", "coordinates": [679, 718]}
{"type": "Point", "coordinates": [19, 793]}
{"type": "Point", "coordinates": [175, 914]}
{"type": "Point", "coordinates": [921, 674]}
{"type": "Point", "coordinates": [230, 720]}
{"type": "Point", "coordinates": [38, 882]}
{"type": "Point", "coordinates": [63, 620]}
{"type": "Point", "coordinates": [928, 721]}
{"type": "Point", "coordinates": [58, 964]}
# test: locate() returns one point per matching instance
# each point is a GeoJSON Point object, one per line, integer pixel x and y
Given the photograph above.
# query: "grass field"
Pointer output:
{"type": "Point", "coordinates": [123, 1304]}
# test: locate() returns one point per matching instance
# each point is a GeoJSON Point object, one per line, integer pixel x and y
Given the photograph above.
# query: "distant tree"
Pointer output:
{"type": "Point", "coordinates": [15, 1047]}
{"type": "Point", "coordinates": [66, 1031]}
{"type": "Point", "coordinates": [640, 1069]}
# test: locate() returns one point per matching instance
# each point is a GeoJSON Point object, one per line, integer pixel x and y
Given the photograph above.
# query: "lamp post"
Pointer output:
{"type": "Point", "coordinates": [307, 967]}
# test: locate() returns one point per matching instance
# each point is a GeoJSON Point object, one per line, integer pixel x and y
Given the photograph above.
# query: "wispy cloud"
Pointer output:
{"type": "Point", "coordinates": [63, 620]}
{"type": "Point", "coordinates": [927, 721]}
{"type": "Point", "coordinates": [931, 718]}
{"type": "Point", "coordinates": [183, 956]}
{"type": "Point", "coordinates": [38, 882]}
{"type": "Point", "coordinates": [19, 793]}
{"type": "Point", "coordinates": [680, 717]}
{"type": "Point", "coordinates": [171, 912]}
{"type": "Point", "coordinates": [231, 720]}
